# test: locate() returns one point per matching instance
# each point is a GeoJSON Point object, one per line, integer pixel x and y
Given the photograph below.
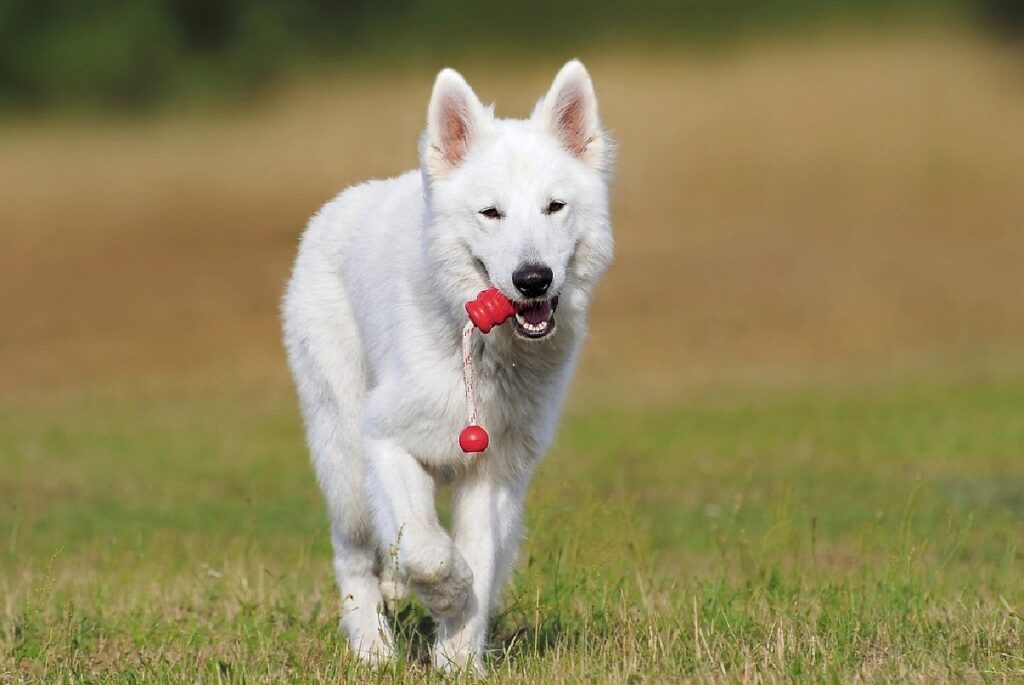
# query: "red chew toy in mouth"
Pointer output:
{"type": "Point", "coordinates": [489, 309]}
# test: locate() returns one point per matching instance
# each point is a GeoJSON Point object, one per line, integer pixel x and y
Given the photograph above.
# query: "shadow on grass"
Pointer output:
{"type": "Point", "coordinates": [414, 631]}
{"type": "Point", "coordinates": [535, 621]}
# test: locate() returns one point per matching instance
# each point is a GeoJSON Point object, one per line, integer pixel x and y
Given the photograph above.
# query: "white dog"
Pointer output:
{"type": "Point", "coordinates": [372, 323]}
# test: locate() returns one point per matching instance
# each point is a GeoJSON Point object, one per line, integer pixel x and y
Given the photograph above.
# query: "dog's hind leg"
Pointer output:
{"type": "Point", "coordinates": [328, 386]}
{"type": "Point", "coordinates": [356, 568]}
{"type": "Point", "coordinates": [357, 565]}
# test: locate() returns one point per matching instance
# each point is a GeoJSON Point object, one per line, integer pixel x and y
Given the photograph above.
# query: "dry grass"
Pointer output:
{"type": "Point", "coordinates": [784, 210]}
{"type": "Point", "coordinates": [178, 537]}
{"type": "Point", "coordinates": [824, 214]}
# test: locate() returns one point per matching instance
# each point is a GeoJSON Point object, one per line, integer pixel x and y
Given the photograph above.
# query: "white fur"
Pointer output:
{"type": "Point", "coordinates": [372, 322]}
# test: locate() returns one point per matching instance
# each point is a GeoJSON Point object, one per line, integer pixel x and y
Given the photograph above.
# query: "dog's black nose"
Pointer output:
{"type": "Point", "coordinates": [532, 280]}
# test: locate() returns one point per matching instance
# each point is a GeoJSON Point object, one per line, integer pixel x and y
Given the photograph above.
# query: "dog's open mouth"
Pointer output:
{"type": "Point", "coordinates": [536, 319]}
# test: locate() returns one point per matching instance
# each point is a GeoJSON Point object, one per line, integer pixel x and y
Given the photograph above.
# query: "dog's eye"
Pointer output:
{"type": "Point", "coordinates": [491, 213]}
{"type": "Point", "coordinates": [555, 206]}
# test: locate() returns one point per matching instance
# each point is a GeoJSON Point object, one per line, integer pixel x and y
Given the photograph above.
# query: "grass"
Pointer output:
{"type": "Point", "coordinates": [828, 535]}
{"type": "Point", "coordinates": [794, 445]}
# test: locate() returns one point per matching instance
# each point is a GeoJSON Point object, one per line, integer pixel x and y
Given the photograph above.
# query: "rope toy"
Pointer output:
{"type": "Point", "coordinates": [489, 309]}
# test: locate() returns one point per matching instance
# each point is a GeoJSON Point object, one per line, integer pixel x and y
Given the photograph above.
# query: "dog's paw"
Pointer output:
{"type": "Point", "coordinates": [392, 589]}
{"type": "Point", "coordinates": [451, 659]}
{"type": "Point", "coordinates": [445, 585]}
{"type": "Point", "coordinates": [377, 653]}
{"type": "Point", "coordinates": [373, 645]}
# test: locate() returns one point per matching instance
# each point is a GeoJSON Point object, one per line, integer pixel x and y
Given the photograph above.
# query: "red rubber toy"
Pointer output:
{"type": "Point", "coordinates": [489, 309]}
{"type": "Point", "coordinates": [473, 439]}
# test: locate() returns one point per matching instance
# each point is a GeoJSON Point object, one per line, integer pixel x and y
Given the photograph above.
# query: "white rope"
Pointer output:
{"type": "Point", "coordinates": [468, 379]}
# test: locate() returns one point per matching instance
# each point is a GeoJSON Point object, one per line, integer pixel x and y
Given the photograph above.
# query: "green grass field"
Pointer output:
{"type": "Point", "coordinates": [794, 449]}
{"type": "Point", "coordinates": [177, 536]}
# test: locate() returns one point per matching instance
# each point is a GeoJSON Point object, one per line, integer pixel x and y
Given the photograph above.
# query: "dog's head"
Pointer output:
{"type": "Point", "coordinates": [518, 204]}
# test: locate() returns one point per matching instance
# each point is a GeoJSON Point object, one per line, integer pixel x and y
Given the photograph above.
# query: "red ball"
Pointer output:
{"type": "Point", "coordinates": [473, 439]}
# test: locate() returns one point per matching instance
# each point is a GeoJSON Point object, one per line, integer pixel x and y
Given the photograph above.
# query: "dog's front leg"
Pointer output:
{"type": "Point", "coordinates": [402, 501]}
{"type": "Point", "coordinates": [487, 525]}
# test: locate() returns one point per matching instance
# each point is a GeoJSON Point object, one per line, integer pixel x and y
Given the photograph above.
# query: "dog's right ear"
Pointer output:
{"type": "Point", "coordinates": [455, 119]}
{"type": "Point", "coordinates": [569, 111]}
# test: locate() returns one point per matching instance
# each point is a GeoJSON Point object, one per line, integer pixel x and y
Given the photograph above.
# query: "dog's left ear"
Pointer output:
{"type": "Point", "coordinates": [455, 119]}
{"type": "Point", "coordinates": [569, 111]}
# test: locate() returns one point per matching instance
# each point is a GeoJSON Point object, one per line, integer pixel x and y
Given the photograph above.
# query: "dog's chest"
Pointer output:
{"type": "Point", "coordinates": [517, 403]}
{"type": "Point", "coordinates": [518, 398]}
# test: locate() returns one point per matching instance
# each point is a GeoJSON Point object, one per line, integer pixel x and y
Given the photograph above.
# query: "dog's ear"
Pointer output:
{"type": "Point", "coordinates": [569, 111]}
{"type": "Point", "coordinates": [455, 119]}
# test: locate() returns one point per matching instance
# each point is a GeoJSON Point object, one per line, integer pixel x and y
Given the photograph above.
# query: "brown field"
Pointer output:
{"type": "Point", "coordinates": [838, 206]}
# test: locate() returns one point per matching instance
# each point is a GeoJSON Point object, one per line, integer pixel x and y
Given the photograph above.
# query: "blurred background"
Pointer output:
{"type": "Point", "coordinates": [819, 200]}
{"type": "Point", "coordinates": [805, 189]}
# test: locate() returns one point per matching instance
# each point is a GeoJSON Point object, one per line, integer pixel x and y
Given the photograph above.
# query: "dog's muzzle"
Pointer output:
{"type": "Point", "coordinates": [535, 320]}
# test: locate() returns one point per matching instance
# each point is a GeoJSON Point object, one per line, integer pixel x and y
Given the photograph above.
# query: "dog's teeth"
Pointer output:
{"type": "Point", "coordinates": [537, 329]}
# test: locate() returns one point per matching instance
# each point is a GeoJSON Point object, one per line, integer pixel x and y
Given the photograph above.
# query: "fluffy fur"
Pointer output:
{"type": "Point", "coordinates": [372, 322]}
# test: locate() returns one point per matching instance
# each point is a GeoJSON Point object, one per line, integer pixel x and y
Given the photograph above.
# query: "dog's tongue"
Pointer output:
{"type": "Point", "coordinates": [536, 313]}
